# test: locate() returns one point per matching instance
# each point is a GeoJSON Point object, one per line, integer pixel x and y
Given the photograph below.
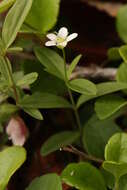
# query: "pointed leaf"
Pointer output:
{"type": "Point", "coordinates": [107, 105]}
{"type": "Point", "coordinates": [34, 113]}
{"type": "Point", "coordinates": [123, 53]}
{"type": "Point", "coordinates": [17, 14]}
{"type": "Point", "coordinates": [52, 62]}
{"type": "Point", "coordinates": [27, 79]}
{"type": "Point", "coordinates": [44, 100]}
{"type": "Point", "coordinates": [102, 89]}
{"type": "Point", "coordinates": [58, 141]}
{"type": "Point", "coordinates": [83, 86]}
{"type": "Point", "coordinates": [73, 65]}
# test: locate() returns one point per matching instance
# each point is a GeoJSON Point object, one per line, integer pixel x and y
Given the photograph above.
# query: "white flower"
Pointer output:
{"type": "Point", "coordinates": [61, 38]}
{"type": "Point", "coordinates": [17, 131]}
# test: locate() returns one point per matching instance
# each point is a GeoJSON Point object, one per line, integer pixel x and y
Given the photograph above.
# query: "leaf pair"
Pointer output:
{"type": "Point", "coordinates": [54, 65]}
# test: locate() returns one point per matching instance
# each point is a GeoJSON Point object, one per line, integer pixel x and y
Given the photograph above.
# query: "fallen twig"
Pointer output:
{"type": "Point", "coordinates": [74, 150]}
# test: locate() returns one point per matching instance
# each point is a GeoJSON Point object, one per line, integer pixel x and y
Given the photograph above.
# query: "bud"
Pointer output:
{"type": "Point", "coordinates": [17, 131]}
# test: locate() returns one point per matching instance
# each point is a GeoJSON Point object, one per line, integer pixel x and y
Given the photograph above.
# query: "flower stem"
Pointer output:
{"type": "Point", "coordinates": [116, 187]}
{"type": "Point", "coordinates": [70, 94]}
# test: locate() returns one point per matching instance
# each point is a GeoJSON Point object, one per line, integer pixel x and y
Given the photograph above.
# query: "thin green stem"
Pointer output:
{"type": "Point", "coordinates": [70, 94]}
{"type": "Point", "coordinates": [13, 83]}
{"type": "Point", "coordinates": [116, 187]}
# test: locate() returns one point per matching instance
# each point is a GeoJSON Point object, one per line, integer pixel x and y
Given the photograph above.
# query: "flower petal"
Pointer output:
{"type": "Point", "coordinates": [71, 37]}
{"type": "Point", "coordinates": [51, 36]}
{"type": "Point", "coordinates": [50, 43]}
{"type": "Point", "coordinates": [63, 32]}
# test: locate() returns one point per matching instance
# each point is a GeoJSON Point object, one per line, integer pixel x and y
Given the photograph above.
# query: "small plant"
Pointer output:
{"type": "Point", "coordinates": [99, 144]}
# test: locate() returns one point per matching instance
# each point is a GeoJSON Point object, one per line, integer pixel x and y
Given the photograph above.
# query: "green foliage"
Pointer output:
{"type": "Point", "coordinates": [116, 155]}
{"type": "Point", "coordinates": [46, 182]}
{"type": "Point", "coordinates": [52, 62]}
{"type": "Point", "coordinates": [10, 160]}
{"type": "Point", "coordinates": [83, 86]}
{"type": "Point", "coordinates": [44, 100]}
{"type": "Point", "coordinates": [34, 113]}
{"type": "Point", "coordinates": [58, 141]}
{"type": "Point", "coordinates": [110, 105]}
{"type": "Point", "coordinates": [122, 73]}
{"type": "Point", "coordinates": [17, 14]}
{"type": "Point", "coordinates": [113, 54]}
{"type": "Point", "coordinates": [123, 53]}
{"type": "Point", "coordinates": [5, 4]}
{"type": "Point", "coordinates": [120, 23]}
{"type": "Point", "coordinates": [73, 65]}
{"type": "Point", "coordinates": [27, 79]}
{"type": "Point", "coordinates": [42, 80]}
{"type": "Point", "coordinates": [45, 81]}
{"type": "Point", "coordinates": [102, 89]}
{"type": "Point", "coordinates": [6, 110]}
{"type": "Point", "coordinates": [99, 132]}
{"type": "Point", "coordinates": [43, 15]}
{"type": "Point", "coordinates": [6, 69]}
{"type": "Point", "coordinates": [83, 176]}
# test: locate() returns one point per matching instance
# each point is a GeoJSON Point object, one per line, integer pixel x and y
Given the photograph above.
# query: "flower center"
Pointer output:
{"type": "Point", "coordinates": [60, 40]}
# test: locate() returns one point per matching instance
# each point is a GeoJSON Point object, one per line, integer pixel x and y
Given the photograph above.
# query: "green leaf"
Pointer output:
{"type": "Point", "coordinates": [44, 100]}
{"type": "Point", "coordinates": [52, 62]}
{"type": "Point", "coordinates": [43, 15]}
{"type": "Point", "coordinates": [122, 73]}
{"type": "Point", "coordinates": [6, 70]}
{"type": "Point", "coordinates": [5, 4]}
{"type": "Point", "coordinates": [27, 79]}
{"type": "Point", "coordinates": [108, 177]}
{"type": "Point", "coordinates": [108, 105]}
{"type": "Point", "coordinates": [58, 141]}
{"type": "Point", "coordinates": [28, 30]}
{"type": "Point", "coordinates": [113, 54]}
{"type": "Point", "coordinates": [34, 113]}
{"type": "Point", "coordinates": [120, 23]}
{"type": "Point", "coordinates": [102, 89]}
{"type": "Point", "coordinates": [73, 65]}
{"type": "Point", "coordinates": [6, 110]}
{"type": "Point", "coordinates": [116, 155]}
{"type": "Point", "coordinates": [99, 132]}
{"type": "Point", "coordinates": [46, 182]}
{"type": "Point", "coordinates": [117, 169]}
{"type": "Point", "coordinates": [123, 52]}
{"type": "Point", "coordinates": [10, 160]}
{"type": "Point", "coordinates": [45, 81]}
{"type": "Point", "coordinates": [110, 180]}
{"type": "Point", "coordinates": [83, 86]}
{"type": "Point", "coordinates": [83, 176]}
{"type": "Point", "coordinates": [17, 14]}
{"type": "Point", "coordinates": [116, 148]}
